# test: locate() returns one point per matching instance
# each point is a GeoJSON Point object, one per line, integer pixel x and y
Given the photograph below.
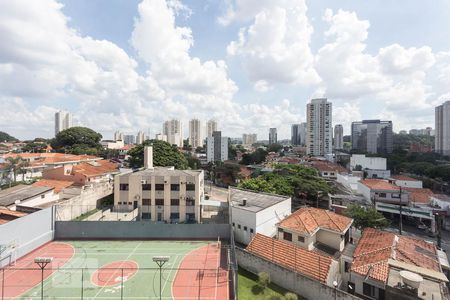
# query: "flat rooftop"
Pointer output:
{"type": "Point", "coordinates": [20, 193]}
{"type": "Point", "coordinates": [164, 171]}
{"type": "Point", "coordinates": [255, 201]}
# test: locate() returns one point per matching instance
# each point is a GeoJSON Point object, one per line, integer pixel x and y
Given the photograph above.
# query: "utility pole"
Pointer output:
{"type": "Point", "coordinates": [401, 221]}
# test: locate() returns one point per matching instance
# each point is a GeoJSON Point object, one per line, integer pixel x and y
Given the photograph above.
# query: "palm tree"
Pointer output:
{"type": "Point", "coordinates": [16, 165]}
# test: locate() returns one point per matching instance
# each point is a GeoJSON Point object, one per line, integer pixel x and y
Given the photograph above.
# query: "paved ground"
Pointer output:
{"type": "Point", "coordinates": [216, 193]}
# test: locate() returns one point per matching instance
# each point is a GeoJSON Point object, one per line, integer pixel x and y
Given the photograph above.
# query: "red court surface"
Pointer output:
{"type": "Point", "coordinates": [17, 282]}
{"type": "Point", "coordinates": [202, 274]}
{"type": "Point", "coordinates": [111, 273]}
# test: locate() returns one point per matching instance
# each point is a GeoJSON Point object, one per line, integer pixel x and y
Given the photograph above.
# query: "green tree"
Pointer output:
{"type": "Point", "coordinates": [16, 165]}
{"type": "Point", "coordinates": [256, 157]}
{"type": "Point", "coordinates": [164, 155]}
{"type": "Point", "coordinates": [289, 180]}
{"type": "Point", "coordinates": [290, 296]}
{"type": "Point", "coordinates": [263, 279]}
{"type": "Point", "coordinates": [35, 147]}
{"type": "Point", "coordinates": [78, 140]}
{"type": "Point", "coordinates": [4, 137]}
{"type": "Point", "coordinates": [366, 217]}
{"type": "Point", "coordinates": [274, 148]}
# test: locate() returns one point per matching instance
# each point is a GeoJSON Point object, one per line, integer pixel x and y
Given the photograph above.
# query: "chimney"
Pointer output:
{"type": "Point", "coordinates": [148, 157]}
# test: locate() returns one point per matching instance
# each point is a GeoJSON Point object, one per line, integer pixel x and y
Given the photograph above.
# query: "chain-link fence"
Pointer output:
{"type": "Point", "coordinates": [131, 282]}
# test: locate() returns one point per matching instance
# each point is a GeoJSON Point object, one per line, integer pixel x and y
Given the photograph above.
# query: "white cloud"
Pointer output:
{"type": "Point", "coordinates": [275, 48]}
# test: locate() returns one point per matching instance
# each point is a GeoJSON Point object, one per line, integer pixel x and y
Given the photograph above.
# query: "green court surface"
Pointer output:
{"type": "Point", "coordinates": [78, 278]}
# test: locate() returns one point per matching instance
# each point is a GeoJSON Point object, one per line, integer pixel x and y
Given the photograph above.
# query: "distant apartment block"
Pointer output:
{"type": "Point", "coordinates": [298, 134]}
{"type": "Point", "coordinates": [319, 138]}
{"type": "Point", "coordinates": [273, 139]}
{"type": "Point", "coordinates": [249, 139]}
{"type": "Point", "coordinates": [118, 136]}
{"type": "Point", "coordinates": [161, 137]}
{"type": "Point", "coordinates": [195, 133]}
{"type": "Point", "coordinates": [253, 212]}
{"type": "Point", "coordinates": [173, 129]}
{"type": "Point", "coordinates": [216, 147]}
{"type": "Point", "coordinates": [211, 126]}
{"type": "Point", "coordinates": [338, 137]}
{"type": "Point", "coordinates": [140, 137]}
{"type": "Point", "coordinates": [442, 131]}
{"type": "Point", "coordinates": [372, 136]}
{"type": "Point", "coordinates": [129, 139]}
{"type": "Point", "coordinates": [63, 120]}
{"type": "Point", "coordinates": [162, 194]}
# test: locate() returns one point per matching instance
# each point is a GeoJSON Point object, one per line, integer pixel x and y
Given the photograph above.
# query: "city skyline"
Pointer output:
{"type": "Point", "coordinates": [110, 76]}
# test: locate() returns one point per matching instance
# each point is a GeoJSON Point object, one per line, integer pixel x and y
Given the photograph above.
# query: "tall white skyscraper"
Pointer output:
{"type": "Point", "coordinates": [211, 126]}
{"type": "Point", "coordinates": [195, 133]}
{"type": "Point", "coordinates": [63, 120]}
{"type": "Point", "coordinates": [319, 137]}
{"type": "Point", "coordinates": [442, 131]}
{"type": "Point", "coordinates": [273, 139]}
{"type": "Point", "coordinates": [118, 136]}
{"type": "Point", "coordinates": [140, 138]}
{"type": "Point", "coordinates": [249, 138]}
{"type": "Point", "coordinates": [338, 137]}
{"type": "Point", "coordinates": [173, 129]}
{"type": "Point", "coordinates": [302, 132]}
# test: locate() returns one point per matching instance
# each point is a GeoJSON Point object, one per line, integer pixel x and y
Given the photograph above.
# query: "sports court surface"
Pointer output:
{"type": "Point", "coordinates": [120, 270]}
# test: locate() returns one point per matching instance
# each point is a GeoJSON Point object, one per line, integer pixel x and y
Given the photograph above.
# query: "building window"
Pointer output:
{"type": "Point", "coordinates": [119, 203]}
{"type": "Point", "coordinates": [130, 203]}
{"type": "Point", "coordinates": [395, 195]}
{"type": "Point", "coordinates": [123, 187]}
{"type": "Point", "coordinates": [190, 217]}
{"type": "Point", "coordinates": [147, 187]}
{"type": "Point", "coordinates": [301, 239]}
{"type": "Point", "coordinates": [347, 266]}
{"type": "Point", "coordinates": [245, 228]}
{"type": "Point", "coordinates": [233, 224]}
{"type": "Point", "coordinates": [382, 195]}
{"type": "Point", "coordinates": [146, 202]}
{"type": "Point", "coordinates": [368, 290]}
{"type": "Point", "coordinates": [42, 196]}
{"type": "Point", "coordinates": [287, 236]}
{"type": "Point", "coordinates": [280, 229]}
{"type": "Point", "coordinates": [174, 187]}
{"type": "Point", "coordinates": [190, 202]}
{"type": "Point", "coordinates": [159, 201]}
{"type": "Point", "coordinates": [175, 202]}
{"type": "Point", "coordinates": [146, 216]}
{"type": "Point", "coordinates": [159, 187]}
{"type": "Point", "coordinates": [190, 187]}
{"type": "Point", "coordinates": [251, 230]}
{"type": "Point", "coordinates": [239, 226]}
{"type": "Point", "coordinates": [175, 216]}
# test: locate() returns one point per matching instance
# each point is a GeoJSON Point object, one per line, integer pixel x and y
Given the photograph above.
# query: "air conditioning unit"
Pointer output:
{"type": "Point", "coordinates": [144, 181]}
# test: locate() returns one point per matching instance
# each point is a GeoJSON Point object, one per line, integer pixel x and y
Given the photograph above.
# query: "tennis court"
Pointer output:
{"type": "Point", "coordinates": [120, 270]}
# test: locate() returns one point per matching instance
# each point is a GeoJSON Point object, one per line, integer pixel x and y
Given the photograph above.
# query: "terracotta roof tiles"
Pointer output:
{"type": "Point", "coordinates": [379, 184]}
{"type": "Point", "coordinates": [58, 185]}
{"type": "Point", "coordinates": [308, 220]}
{"type": "Point", "coordinates": [291, 256]}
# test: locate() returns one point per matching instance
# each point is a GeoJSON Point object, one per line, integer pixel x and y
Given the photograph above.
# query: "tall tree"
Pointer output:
{"type": "Point", "coordinates": [364, 217]}
{"type": "Point", "coordinates": [16, 165]}
{"type": "Point", "coordinates": [78, 140]}
{"type": "Point", "coordinates": [164, 155]}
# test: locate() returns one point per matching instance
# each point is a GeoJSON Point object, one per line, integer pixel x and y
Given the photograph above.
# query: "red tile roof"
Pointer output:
{"type": "Point", "coordinates": [308, 220]}
{"type": "Point", "coordinates": [379, 184]}
{"type": "Point", "coordinates": [376, 247]}
{"type": "Point", "coordinates": [41, 159]}
{"type": "Point", "coordinates": [99, 168]}
{"type": "Point", "coordinates": [291, 256]}
{"type": "Point", "coordinates": [7, 215]}
{"type": "Point", "coordinates": [419, 195]}
{"type": "Point", "coordinates": [326, 166]}
{"type": "Point", "coordinates": [58, 185]}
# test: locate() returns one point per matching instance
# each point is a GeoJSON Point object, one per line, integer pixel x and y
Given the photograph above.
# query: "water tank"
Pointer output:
{"type": "Point", "coordinates": [411, 279]}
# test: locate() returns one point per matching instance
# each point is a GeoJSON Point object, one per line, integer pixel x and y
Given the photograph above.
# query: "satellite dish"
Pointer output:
{"type": "Point", "coordinates": [137, 197]}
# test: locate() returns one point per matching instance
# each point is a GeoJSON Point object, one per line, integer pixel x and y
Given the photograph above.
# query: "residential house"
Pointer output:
{"type": "Point", "coordinates": [308, 263]}
{"type": "Point", "coordinates": [253, 212]}
{"type": "Point", "coordinates": [382, 258]}
{"type": "Point", "coordinates": [379, 190]}
{"type": "Point", "coordinates": [26, 195]}
{"type": "Point", "coordinates": [7, 215]}
{"type": "Point", "coordinates": [314, 228]}
{"type": "Point", "coordinates": [83, 173]}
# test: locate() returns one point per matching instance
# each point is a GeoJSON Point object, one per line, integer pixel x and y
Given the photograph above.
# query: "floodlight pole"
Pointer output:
{"type": "Point", "coordinates": [42, 262]}
{"type": "Point", "coordinates": [160, 261]}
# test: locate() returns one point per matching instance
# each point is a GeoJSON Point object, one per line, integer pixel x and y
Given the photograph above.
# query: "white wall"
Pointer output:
{"type": "Point", "coordinates": [364, 190]}
{"type": "Point", "coordinates": [44, 198]}
{"type": "Point", "coordinates": [331, 239]}
{"type": "Point", "coordinates": [383, 174]}
{"type": "Point", "coordinates": [377, 163]}
{"type": "Point", "coordinates": [243, 218]}
{"type": "Point", "coordinates": [348, 181]}
{"type": "Point", "coordinates": [417, 184]}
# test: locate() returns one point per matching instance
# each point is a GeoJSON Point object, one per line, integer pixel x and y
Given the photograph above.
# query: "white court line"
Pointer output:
{"type": "Point", "coordinates": [168, 278]}
{"type": "Point", "coordinates": [131, 253]}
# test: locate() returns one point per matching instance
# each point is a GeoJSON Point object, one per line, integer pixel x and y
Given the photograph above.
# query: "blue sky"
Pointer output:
{"type": "Point", "coordinates": [129, 65]}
